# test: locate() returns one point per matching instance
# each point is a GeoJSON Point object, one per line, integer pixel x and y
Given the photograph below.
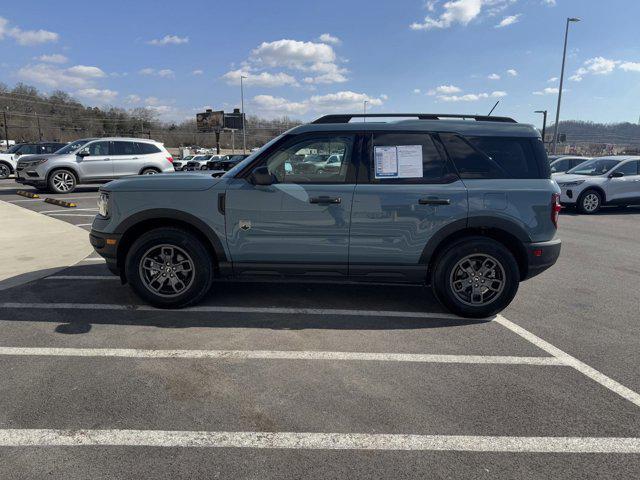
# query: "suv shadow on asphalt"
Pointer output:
{"type": "Point", "coordinates": [324, 297]}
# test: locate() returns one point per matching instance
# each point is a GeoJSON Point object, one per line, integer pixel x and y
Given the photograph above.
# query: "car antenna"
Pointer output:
{"type": "Point", "coordinates": [494, 107]}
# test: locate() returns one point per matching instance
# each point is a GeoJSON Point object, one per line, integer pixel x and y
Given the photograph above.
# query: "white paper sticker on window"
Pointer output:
{"type": "Point", "coordinates": [402, 161]}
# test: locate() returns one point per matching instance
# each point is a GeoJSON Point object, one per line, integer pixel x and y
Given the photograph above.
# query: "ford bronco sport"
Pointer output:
{"type": "Point", "coordinates": [462, 203]}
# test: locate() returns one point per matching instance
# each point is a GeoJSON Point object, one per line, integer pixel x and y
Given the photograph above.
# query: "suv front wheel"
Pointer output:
{"type": "Point", "coordinates": [169, 268]}
{"type": "Point", "coordinates": [62, 181]}
{"type": "Point", "coordinates": [476, 277]}
{"type": "Point", "coordinates": [589, 202]}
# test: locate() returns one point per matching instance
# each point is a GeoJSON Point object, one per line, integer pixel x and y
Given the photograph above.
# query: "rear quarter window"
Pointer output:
{"type": "Point", "coordinates": [147, 148]}
{"type": "Point", "coordinates": [515, 155]}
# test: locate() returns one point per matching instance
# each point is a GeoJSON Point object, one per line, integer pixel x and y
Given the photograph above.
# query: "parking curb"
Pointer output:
{"type": "Point", "coordinates": [60, 203]}
{"type": "Point", "coordinates": [24, 193]}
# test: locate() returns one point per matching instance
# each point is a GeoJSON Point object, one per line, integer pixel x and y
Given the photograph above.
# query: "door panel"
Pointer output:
{"type": "Point", "coordinates": [624, 188]}
{"type": "Point", "coordinates": [390, 226]}
{"type": "Point", "coordinates": [268, 226]}
{"type": "Point", "coordinates": [97, 165]}
{"type": "Point", "coordinates": [126, 159]}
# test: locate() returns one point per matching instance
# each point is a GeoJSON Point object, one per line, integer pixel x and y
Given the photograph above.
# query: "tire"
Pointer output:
{"type": "Point", "coordinates": [149, 171]}
{"type": "Point", "coordinates": [188, 251]}
{"type": "Point", "coordinates": [449, 273]}
{"type": "Point", "coordinates": [5, 170]}
{"type": "Point", "coordinates": [62, 181]}
{"type": "Point", "coordinates": [589, 202]}
{"type": "Point", "coordinates": [204, 167]}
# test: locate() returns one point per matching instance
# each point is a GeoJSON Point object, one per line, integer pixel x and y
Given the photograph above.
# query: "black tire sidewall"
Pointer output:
{"type": "Point", "coordinates": [144, 171]}
{"type": "Point", "coordinates": [581, 199]}
{"type": "Point", "coordinates": [460, 249]}
{"type": "Point", "coordinates": [51, 187]}
{"type": "Point", "coordinates": [9, 169]}
{"type": "Point", "coordinates": [203, 265]}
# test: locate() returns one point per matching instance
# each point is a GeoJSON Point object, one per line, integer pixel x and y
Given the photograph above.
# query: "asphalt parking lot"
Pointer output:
{"type": "Point", "coordinates": [293, 380]}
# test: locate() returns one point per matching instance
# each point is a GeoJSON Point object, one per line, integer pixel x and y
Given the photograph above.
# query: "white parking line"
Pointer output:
{"type": "Point", "coordinates": [82, 277]}
{"type": "Point", "coordinates": [66, 210]}
{"type": "Point", "coordinates": [316, 441]}
{"type": "Point", "coordinates": [70, 215]}
{"type": "Point", "coordinates": [571, 361]}
{"type": "Point", "coordinates": [279, 355]}
{"type": "Point", "coordinates": [233, 309]}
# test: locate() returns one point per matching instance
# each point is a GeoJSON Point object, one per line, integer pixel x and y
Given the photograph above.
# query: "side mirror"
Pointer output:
{"type": "Point", "coordinates": [262, 176]}
{"type": "Point", "coordinates": [616, 174]}
{"type": "Point", "coordinates": [83, 153]}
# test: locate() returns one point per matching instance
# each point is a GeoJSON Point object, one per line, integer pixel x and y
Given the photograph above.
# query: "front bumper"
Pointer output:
{"type": "Point", "coordinates": [106, 245]}
{"type": "Point", "coordinates": [30, 176]}
{"type": "Point", "coordinates": [540, 256]}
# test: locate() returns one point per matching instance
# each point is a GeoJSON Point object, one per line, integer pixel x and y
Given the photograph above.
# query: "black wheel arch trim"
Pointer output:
{"type": "Point", "coordinates": [170, 214]}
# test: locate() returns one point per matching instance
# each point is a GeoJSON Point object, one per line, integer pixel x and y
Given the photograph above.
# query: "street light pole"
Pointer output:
{"type": "Point", "coordinates": [544, 123]}
{"type": "Point", "coordinates": [244, 129]}
{"type": "Point", "coordinates": [6, 128]}
{"type": "Point", "coordinates": [364, 109]}
{"type": "Point", "coordinates": [564, 58]}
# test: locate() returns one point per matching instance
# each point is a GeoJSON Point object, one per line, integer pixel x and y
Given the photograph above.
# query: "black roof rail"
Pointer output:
{"type": "Point", "coordinates": [345, 118]}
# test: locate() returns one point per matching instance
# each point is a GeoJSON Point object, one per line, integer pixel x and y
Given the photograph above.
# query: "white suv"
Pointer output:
{"type": "Point", "coordinates": [601, 181]}
{"type": "Point", "coordinates": [93, 160]}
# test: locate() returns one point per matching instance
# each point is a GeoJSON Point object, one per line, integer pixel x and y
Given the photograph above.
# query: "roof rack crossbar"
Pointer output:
{"type": "Point", "coordinates": [345, 118]}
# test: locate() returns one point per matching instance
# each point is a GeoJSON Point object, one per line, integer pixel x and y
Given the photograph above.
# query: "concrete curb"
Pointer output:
{"type": "Point", "coordinates": [33, 245]}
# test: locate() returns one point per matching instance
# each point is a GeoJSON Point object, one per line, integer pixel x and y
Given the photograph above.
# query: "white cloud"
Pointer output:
{"type": "Point", "coordinates": [343, 100]}
{"type": "Point", "coordinates": [493, 76]}
{"type": "Point", "coordinates": [510, 20]}
{"type": "Point", "coordinates": [630, 66]}
{"type": "Point", "coordinates": [262, 79]}
{"type": "Point", "coordinates": [169, 40]}
{"type": "Point", "coordinates": [164, 73]}
{"type": "Point", "coordinates": [318, 60]}
{"type": "Point", "coordinates": [328, 38]}
{"type": "Point", "coordinates": [512, 72]}
{"type": "Point", "coordinates": [444, 90]}
{"type": "Point", "coordinates": [595, 66]}
{"type": "Point", "coordinates": [78, 76]}
{"type": "Point", "coordinates": [416, 90]}
{"type": "Point", "coordinates": [26, 37]}
{"type": "Point", "coordinates": [53, 58]}
{"type": "Point", "coordinates": [132, 99]}
{"type": "Point", "coordinates": [551, 3]}
{"type": "Point", "coordinates": [547, 91]}
{"type": "Point", "coordinates": [552, 80]}
{"type": "Point", "coordinates": [471, 97]}
{"type": "Point", "coordinates": [98, 95]}
{"type": "Point", "coordinates": [279, 105]}
{"type": "Point", "coordinates": [457, 11]}
{"type": "Point", "coordinates": [197, 72]}
{"type": "Point", "coordinates": [85, 71]}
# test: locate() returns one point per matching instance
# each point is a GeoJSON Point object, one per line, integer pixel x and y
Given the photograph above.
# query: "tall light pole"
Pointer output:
{"type": "Point", "coordinates": [544, 123]}
{"type": "Point", "coordinates": [364, 109]}
{"type": "Point", "coordinates": [564, 58]}
{"type": "Point", "coordinates": [244, 129]}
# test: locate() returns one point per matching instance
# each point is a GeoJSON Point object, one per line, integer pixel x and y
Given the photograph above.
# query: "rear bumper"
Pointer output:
{"type": "Point", "coordinates": [541, 255]}
{"type": "Point", "coordinates": [106, 245]}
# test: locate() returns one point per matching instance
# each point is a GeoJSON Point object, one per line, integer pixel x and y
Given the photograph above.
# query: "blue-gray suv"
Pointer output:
{"type": "Point", "coordinates": [463, 203]}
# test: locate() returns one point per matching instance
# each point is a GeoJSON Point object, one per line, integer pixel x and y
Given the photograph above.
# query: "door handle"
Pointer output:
{"type": "Point", "coordinates": [106, 159]}
{"type": "Point", "coordinates": [325, 200]}
{"type": "Point", "coordinates": [434, 201]}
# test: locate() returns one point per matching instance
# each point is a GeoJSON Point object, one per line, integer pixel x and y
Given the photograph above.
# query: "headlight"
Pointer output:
{"type": "Point", "coordinates": [103, 204]}
{"type": "Point", "coordinates": [571, 184]}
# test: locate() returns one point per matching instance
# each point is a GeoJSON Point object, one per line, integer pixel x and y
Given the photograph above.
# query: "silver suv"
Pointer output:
{"type": "Point", "coordinates": [93, 160]}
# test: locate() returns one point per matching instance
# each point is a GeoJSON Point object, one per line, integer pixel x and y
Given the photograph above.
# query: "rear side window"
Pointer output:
{"type": "Point", "coordinates": [146, 148]}
{"type": "Point", "coordinates": [514, 155]}
{"type": "Point", "coordinates": [629, 168]}
{"type": "Point", "coordinates": [399, 147]}
{"type": "Point", "coordinates": [470, 162]}
{"type": "Point", "coordinates": [125, 148]}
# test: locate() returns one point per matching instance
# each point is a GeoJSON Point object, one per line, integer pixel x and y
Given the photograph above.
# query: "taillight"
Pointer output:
{"type": "Point", "coordinates": [555, 208]}
{"type": "Point", "coordinates": [170, 159]}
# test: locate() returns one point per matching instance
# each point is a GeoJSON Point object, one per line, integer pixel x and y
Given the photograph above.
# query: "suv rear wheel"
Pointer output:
{"type": "Point", "coordinates": [589, 202]}
{"type": "Point", "coordinates": [62, 181]}
{"type": "Point", "coordinates": [169, 268]}
{"type": "Point", "coordinates": [476, 277]}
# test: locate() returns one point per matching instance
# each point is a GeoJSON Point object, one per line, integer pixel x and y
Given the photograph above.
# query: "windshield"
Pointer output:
{"type": "Point", "coordinates": [197, 158]}
{"type": "Point", "coordinates": [14, 148]}
{"type": "Point", "coordinates": [72, 147]}
{"type": "Point", "coordinates": [598, 166]}
{"type": "Point", "coordinates": [249, 159]}
{"type": "Point", "coordinates": [188, 157]}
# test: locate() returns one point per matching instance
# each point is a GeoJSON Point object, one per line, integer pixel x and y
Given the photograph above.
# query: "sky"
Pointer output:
{"type": "Point", "coordinates": [305, 58]}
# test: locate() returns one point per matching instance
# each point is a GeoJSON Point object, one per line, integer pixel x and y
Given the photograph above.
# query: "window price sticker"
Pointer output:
{"type": "Point", "coordinates": [401, 161]}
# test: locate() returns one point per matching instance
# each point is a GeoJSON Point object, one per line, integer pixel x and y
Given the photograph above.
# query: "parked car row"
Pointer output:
{"type": "Point", "coordinates": [220, 163]}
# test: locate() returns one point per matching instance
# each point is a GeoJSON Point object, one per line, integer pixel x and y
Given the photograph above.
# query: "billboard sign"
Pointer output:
{"type": "Point", "coordinates": [210, 121]}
